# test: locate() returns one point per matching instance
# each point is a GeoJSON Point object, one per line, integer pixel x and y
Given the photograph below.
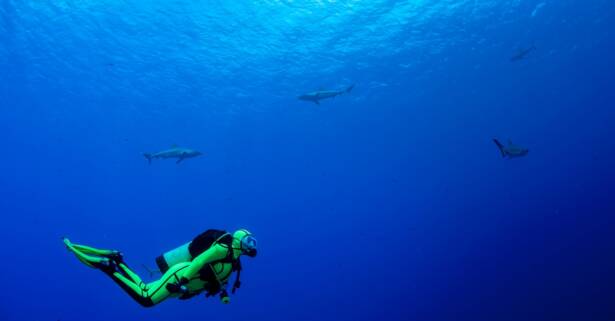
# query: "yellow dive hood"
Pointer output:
{"type": "Point", "coordinates": [239, 244]}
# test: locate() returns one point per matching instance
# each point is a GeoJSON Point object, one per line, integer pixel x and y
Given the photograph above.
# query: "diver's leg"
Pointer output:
{"type": "Point", "coordinates": [119, 272]}
{"type": "Point", "coordinates": [150, 294]}
{"type": "Point", "coordinates": [107, 261]}
{"type": "Point", "coordinates": [130, 273]}
{"type": "Point", "coordinates": [139, 292]}
{"type": "Point", "coordinates": [158, 289]}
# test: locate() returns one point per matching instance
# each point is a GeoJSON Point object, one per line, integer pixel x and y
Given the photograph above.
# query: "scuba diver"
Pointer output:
{"type": "Point", "coordinates": [203, 265]}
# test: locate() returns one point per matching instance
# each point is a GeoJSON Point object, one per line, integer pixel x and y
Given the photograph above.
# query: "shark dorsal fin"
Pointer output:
{"type": "Point", "coordinates": [173, 145]}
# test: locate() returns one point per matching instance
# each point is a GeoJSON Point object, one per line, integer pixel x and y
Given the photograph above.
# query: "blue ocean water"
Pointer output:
{"type": "Point", "coordinates": [387, 203]}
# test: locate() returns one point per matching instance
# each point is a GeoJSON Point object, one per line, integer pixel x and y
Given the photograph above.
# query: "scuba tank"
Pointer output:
{"type": "Point", "coordinates": [172, 257]}
{"type": "Point", "coordinates": [190, 250]}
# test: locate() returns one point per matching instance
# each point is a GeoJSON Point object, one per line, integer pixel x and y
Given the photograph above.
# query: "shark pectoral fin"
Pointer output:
{"type": "Point", "coordinates": [181, 158]}
{"type": "Point", "coordinates": [148, 157]}
{"type": "Point", "coordinates": [316, 102]}
{"type": "Point", "coordinates": [500, 147]}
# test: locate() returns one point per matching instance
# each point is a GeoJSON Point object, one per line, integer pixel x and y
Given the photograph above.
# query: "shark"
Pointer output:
{"type": "Point", "coordinates": [511, 150]}
{"type": "Point", "coordinates": [319, 95]}
{"type": "Point", "coordinates": [173, 152]}
{"type": "Point", "coordinates": [522, 53]}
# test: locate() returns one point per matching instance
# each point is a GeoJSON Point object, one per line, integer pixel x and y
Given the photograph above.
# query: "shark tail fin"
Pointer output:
{"type": "Point", "coordinates": [500, 146]}
{"type": "Point", "coordinates": [349, 89]}
{"type": "Point", "coordinates": [148, 156]}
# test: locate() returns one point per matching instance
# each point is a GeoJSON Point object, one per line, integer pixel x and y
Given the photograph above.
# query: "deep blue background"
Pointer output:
{"type": "Point", "coordinates": [391, 203]}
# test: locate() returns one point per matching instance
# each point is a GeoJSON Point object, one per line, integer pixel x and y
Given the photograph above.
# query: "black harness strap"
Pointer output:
{"type": "Point", "coordinates": [212, 278]}
{"type": "Point", "coordinates": [237, 284]}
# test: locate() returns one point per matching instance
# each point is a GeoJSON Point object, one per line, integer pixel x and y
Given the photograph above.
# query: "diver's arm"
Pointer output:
{"type": "Point", "coordinates": [214, 253]}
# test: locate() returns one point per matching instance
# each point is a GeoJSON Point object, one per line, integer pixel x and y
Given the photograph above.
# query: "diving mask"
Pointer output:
{"type": "Point", "coordinates": [248, 245]}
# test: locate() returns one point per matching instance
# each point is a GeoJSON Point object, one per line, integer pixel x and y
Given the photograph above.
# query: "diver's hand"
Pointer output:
{"type": "Point", "coordinates": [176, 288]}
{"type": "Point", "coordinates": [179, 287]}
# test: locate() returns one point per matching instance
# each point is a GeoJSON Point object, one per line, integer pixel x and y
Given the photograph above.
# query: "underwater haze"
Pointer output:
{"type": "Point", "coordinates": [388, 202]}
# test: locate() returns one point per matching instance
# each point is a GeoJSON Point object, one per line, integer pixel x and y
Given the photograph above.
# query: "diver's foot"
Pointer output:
{"type": "Point", "coordinates": [106, 265]}
{"type": "Point", "coordinates": [116, 256]}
